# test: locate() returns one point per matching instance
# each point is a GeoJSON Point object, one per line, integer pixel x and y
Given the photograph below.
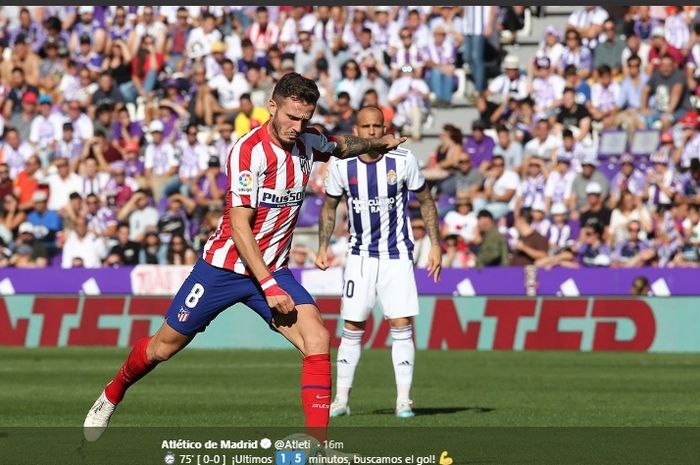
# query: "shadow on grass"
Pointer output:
{"type": "Point", "coordinates": [437, 410]}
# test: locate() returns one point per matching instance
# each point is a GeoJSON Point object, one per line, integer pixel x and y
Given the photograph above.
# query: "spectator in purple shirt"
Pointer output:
{"type": "Point", "coordinates": [575, 54]}
{"type": "Point", "coordinates": [32, 30]}
{"type": "Point", "coordinates": [644, 24]}
{"type": "Point", "coordinates": [210, 189]}
{"type": "Point", "coordinates": [54, 30]}
{"type": "Point", "coordinates": [478, 145]}
{"type": "Point", "coordinates": [86, 57]}
{"type": "Point", "coordinates": [101, 220]}
{"type": "Point", "coordinates": [88, 25]}
{"type": "Point", "coordinates": [126, 131]}
{"type": "Point", "coordinates": [119, 27]}
{"type": "Point", "coordinates": [633, 252]}
{"type": "Point", "coordinates": [120, 187]}
{"type": "Point", "coordinates": [249, 59]}
{"type": "Point", "coordinates": [628, 178]}
{"type": "Point", "coordinates": [133, 165]}
{"type": "Point", "coordinates": [591, 251]}
{"type": "Point", "coordinates": [173, 93]}
{"type": "Point", "coordinates": [168, 114]}
{"type": "Point", "coordinates": [68, 147]}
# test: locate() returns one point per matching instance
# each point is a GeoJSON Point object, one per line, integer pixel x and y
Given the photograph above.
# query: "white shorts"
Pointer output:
{"type": "Point", "coordinates": [368, 279]}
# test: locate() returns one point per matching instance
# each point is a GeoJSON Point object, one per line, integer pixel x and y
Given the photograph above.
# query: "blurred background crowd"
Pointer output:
{"type": "Point", "coordinates": [115, 123]}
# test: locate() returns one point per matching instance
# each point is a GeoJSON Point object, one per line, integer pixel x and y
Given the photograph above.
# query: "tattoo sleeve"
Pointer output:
{"type": "Point", "coordinates": [327, 223]}
{"type": "Point", "coordinates": [428, 211]}
{"type": "Point", "coordinates": [352, 146]}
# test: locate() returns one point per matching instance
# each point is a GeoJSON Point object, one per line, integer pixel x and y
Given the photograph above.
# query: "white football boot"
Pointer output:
{"type": "Point", "coordinates": [97, 418]}
{"type": "Point", "coordinates": [339, 408]}
{"type": "Point", "coordinates": [404, 409]}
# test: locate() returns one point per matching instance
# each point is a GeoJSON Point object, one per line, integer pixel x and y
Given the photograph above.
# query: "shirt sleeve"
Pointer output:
{"type": "Point", "coordinates": [513, 181]}
{"type": "Point", "coordinates": [244, 173]}
{"type": "Point", "coordinates": [148, 157]}
{"type": "Point", "coordinates": [172, 158]}
{"type": "Point", "coordinates": [334, 180]}
{"type": "Point", "coordinates": [496, 85]}
{"type": "Point", "coordinates": [321, 145]}
{"type": "Point", "coordinates": [414, 178]}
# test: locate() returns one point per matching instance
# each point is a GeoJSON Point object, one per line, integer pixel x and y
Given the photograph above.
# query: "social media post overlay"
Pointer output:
{"type": "Point", "coordinates": [346, 445]}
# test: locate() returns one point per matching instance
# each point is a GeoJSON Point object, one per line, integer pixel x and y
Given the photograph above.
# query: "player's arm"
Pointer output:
{"type": "Point", "coordinates": [352, 146]}
{"type": "Point", "coordinates": [325, 230]}
{"type": "Point", "coordinates": [249, 250]}
{"type": "Point", "coordinates": [428, 211]}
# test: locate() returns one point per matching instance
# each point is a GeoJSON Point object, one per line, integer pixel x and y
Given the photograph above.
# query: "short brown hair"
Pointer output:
{"type": "Point", "coordinates": [296, 86]}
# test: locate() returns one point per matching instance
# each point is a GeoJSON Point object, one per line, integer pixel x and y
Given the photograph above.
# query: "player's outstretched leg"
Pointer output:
{"type": "Point", "coordinates": [349, 354]}
{"type": "Point", "coordinates": [143, 358]}
{"type": "Point", "coordinates": [305, 329]}
{"type": "Point", "coordinates": [403, 355]}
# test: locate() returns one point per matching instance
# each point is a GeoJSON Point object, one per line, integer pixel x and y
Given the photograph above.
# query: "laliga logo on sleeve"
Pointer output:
{"type": "Point", "coordinates": [245, 182]}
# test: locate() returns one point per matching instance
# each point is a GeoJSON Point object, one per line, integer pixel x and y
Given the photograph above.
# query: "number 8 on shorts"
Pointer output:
{"type": "Point", "coordinates": [195, 294]}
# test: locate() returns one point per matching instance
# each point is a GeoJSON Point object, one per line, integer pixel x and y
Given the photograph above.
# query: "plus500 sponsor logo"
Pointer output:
{"type": "Point", "coordinates": [282, 198]}
{"type": "Point", "coordinates": [380, 204]}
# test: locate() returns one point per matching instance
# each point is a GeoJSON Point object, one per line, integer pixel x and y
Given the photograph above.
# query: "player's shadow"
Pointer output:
{"type": "Point", "coordinates": [438, 410]}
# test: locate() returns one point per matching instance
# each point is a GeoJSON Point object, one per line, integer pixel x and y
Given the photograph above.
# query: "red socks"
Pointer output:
{"type": "Point", "coordinates": [315, 385]}
{"type": "Point", "coordinates": [135, 367]}
{"type": "Point", "coordinates": [316, 393]}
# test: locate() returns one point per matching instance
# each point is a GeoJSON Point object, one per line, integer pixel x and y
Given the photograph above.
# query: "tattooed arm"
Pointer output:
{"type": "Point", "coordinates": [428, 211]}
{"type": "Point", "coordinates": [353, 146]}
{"type": "Point", "coordinates": [325, 230]}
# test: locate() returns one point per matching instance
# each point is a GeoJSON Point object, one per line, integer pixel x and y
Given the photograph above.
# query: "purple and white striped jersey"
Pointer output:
{"type": "Point", "coordinates": [674, 241]}
{"type": "Point", "coordinates": [475, 19]}
{"type": "Point", "coordinates": [585, 18]}
{"type": "Point", "coordinates": [605, 98]}
{"type": "Point", "coordinates": [657, 196]}
{"type": "Point", "coordinates": [547, 91]}
{"type": "Point", "coordinates": [382, 36]}
{"type": "Point", "coordinates": [96, 185]}
{"type": "Point", "coordinates": [160, 158]}
{"type": "Point", "coordinates": [634, 183]}
{"type": "Point", "coordinates": [691, 150]}
{"type": "Point", "coordinates": [407, 56]}
{"type": "Point", "coordinates": [377, 195]}
{"type": "Point", "coordinates": [101, 220]}
{"type": "Point", "coordinates": [15, 158]}
{"type": "Point", "coordinates": [581, 58]}
{"type": "Point", "coordinates": [559, 235]}
{"type": "Point", "coordinates": [676, 31]}
{"type": "Point", "coordinates": [558, 186]}
{"type": "Point", "coordinates": [531, 190]}
{"type": "Point", "coordinates": [441, 54]}
{"type": "Point", "coordinates": [193, 158]}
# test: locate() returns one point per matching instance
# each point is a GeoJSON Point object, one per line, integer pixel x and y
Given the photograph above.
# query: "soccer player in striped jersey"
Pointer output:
{"type": "Point", "coordinates": [245, 259]}
{"type": "Point", "coordinates": [380, 261]}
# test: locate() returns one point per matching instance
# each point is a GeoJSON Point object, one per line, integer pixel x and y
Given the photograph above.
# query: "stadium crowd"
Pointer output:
{"type": "Point", "coordinates": [115, 123]}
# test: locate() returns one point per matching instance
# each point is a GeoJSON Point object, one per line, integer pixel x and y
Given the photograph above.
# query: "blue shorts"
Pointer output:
{"type": "Point", "coordinates": [209, 290]}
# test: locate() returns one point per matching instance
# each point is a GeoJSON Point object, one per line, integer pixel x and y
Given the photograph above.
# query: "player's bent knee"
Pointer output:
{"type": "Point", "coordinates": [166, 343]}
{"type": "Point", "coordinates": [163, 352]}
{"type": "Point", "coordinates": [317, 341]}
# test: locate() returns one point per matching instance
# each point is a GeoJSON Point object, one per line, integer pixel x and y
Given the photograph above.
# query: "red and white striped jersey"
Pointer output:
{"type": "Point", "coordinates": [271, 180]}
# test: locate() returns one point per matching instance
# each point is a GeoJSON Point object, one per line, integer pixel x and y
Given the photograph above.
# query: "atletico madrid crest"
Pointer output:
{"type": "Point", "coordinates": [183, 315]}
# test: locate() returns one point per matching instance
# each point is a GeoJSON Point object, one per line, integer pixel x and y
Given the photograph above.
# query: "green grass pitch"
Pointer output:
{"type": "Point", "coordinates": [55, 387]}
